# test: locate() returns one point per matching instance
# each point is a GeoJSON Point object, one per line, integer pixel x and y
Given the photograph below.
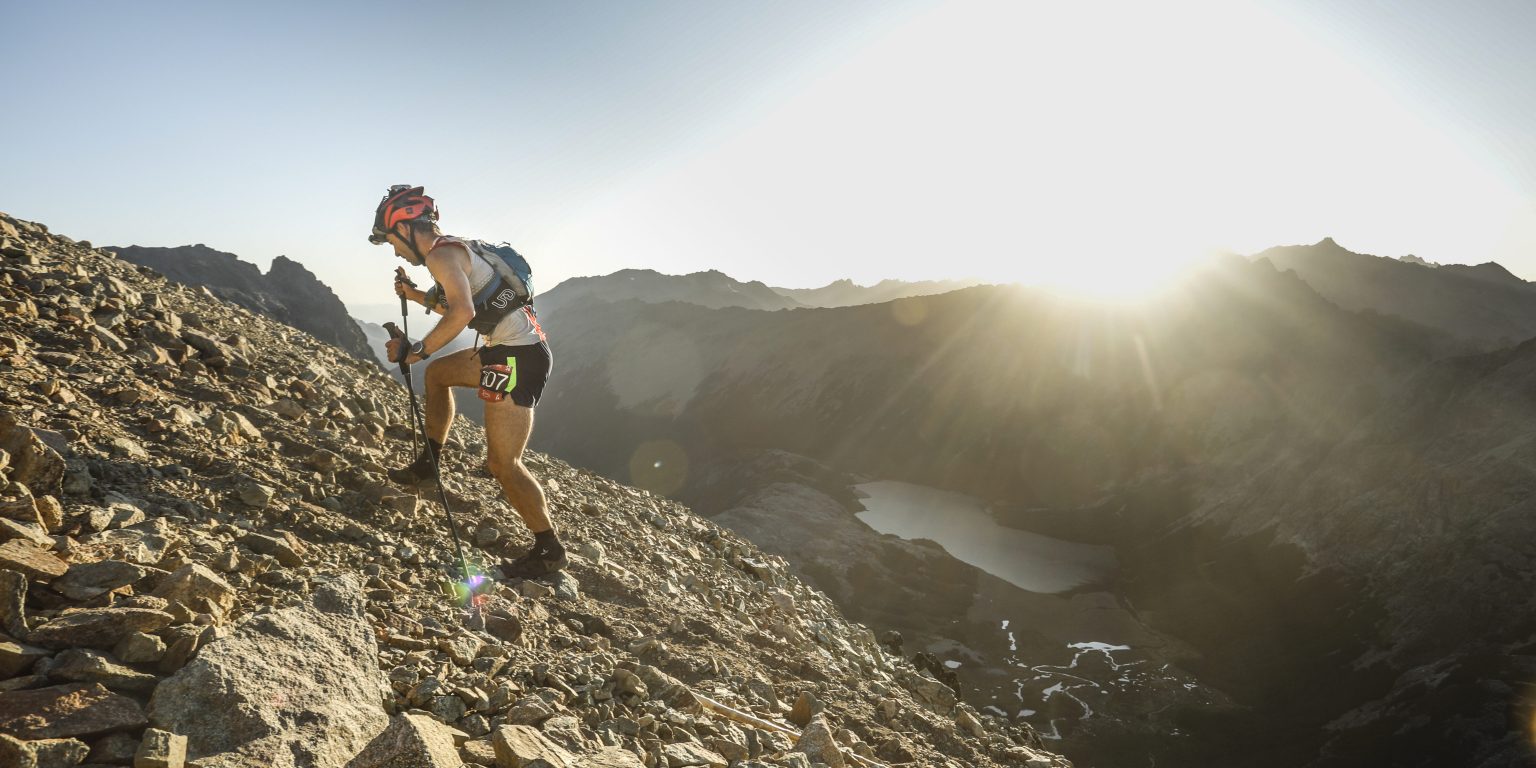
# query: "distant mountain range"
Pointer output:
{"type": "Point", "coordinates": [717, 290]}
{"type": "Point", "coordinates": [288, 292]}
{"type": "Point", "coordinates": [1483, 304]}
{"type": "Point", "coordinates": [846, 293]}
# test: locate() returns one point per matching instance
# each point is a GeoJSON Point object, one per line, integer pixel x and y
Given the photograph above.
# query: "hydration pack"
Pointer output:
{"type": "Point", "coordinates": [510, 291]}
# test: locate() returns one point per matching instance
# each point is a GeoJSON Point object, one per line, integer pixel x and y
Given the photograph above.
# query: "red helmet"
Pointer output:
{"type": "Point", "coordinates": [401, 203]}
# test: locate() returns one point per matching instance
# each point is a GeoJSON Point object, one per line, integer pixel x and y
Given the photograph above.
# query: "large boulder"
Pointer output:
{"type": "Point", "coordinates": [519, 746]}
{"type": "Point", "coordinates": [411, 741]}
{"type": "Point", "coordinates": [288, 688]}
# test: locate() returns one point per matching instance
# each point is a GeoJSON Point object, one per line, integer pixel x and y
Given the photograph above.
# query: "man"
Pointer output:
{"type": "Point", "coordinates": [510, 368]}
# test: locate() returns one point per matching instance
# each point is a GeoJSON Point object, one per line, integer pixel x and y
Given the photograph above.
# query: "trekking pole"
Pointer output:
{"type": "Point", "coordinates": [405, 332]}
{"type": "Point", "coordinates": [437, 470]}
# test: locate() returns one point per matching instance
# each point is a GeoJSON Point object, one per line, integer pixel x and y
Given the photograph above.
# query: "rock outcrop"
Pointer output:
{"type": "Point", "coordinates": [298, 686]}
{"type": "Point", "coordinates": [288, 292]}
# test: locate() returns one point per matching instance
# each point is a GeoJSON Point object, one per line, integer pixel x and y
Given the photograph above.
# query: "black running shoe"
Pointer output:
{"type": "Point", "coordinates": [535, 564]}
{"type": "Point", "coordinates": [415, 473]}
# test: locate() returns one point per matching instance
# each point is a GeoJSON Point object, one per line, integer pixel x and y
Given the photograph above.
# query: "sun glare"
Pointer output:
{"type": "Point", "coordinates": [1048, 144]}
{"type": "Point", "coordinates": [1117, 281]}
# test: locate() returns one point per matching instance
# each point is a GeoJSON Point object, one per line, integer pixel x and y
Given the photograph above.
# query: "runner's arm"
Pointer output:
{"type": "Point", "coordinates": [450, 267]}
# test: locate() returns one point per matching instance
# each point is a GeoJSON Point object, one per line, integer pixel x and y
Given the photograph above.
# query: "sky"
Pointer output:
{"type": "Point", "coordinates": [1097, 145]}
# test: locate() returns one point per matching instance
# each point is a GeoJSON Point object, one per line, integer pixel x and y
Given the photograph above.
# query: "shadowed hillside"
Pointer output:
{"type": "Point", "coordinates": [1319, 500]}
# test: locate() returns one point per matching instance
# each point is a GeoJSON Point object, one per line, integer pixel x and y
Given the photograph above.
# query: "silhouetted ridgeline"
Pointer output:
{"type": "Point", "coordinates": [288, 292]}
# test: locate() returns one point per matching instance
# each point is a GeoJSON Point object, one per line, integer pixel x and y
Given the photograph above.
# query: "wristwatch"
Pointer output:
{"type": "Point", "coordinates": [418, 350]}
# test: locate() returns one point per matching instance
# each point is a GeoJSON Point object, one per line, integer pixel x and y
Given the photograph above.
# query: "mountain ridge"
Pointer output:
{"type": "Point", "coordinates": [288, 291]}
{"type": "Point", "coordinates": [1486, 305]}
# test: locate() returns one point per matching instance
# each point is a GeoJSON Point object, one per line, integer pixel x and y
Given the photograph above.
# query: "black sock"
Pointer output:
{"type": "Point", "coordinates": [423, 464]}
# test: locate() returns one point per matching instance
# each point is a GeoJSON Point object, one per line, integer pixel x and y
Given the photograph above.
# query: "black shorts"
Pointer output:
{"type": "Point", "coordinates": [516, 372]}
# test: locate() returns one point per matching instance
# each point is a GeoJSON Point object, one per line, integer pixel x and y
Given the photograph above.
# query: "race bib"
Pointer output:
{"type": "Point", "coordinates": [497, 380]}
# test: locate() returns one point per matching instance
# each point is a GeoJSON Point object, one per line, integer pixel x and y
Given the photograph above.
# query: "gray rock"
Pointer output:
{"type": "Point", "coordinates": [22, 510]}
{"type": "Point", "coordinates": [518, 746]}
{"type": "Point", "coordinates": [255, 494]}
{"type": "Point", "coordinates": [410, 741]}
{"type": "Point", "coordinates": [816, 742]}
{"type": "Point", "coordinates": [16, 658]}
{"type": "Point", "coordinates": [530, 710]}
{"type": "Point", "coordinates": [109, 339]}
{"type": "Point", "coordinates": [307, 678]}
{"type": "Point", "coordinates": [447, 708]}
{"type": "Point", "coordinates": [13, 605]}
{"type": "Point", "coordinates": [140, 648]}
{"type": "Point", "coordinates": [51, 512]}
{"type": "Point", "coordinates": [30, 532]}
{"type": "Point", "coordinates": [287, 549]}
{"type": "Point", "coordinates": [806, 707]}
{"type": "Point", "coordinates": [461, 648]}
{"type": "Point", "coordinates": [610, 757]}
{"type": "Point", "coordinates": [566, 586]}
{"type": "Point", "coordinates": [66, 711]}
{"type": "Point", "coordinates": [161, 749]}
{"type": "Point", "coordinates": [97, 627]}
{"type": "Point", "coordinates": [145, 544]}
{"type": "Point", "coordinates": [932, 694]}
{"type": "Point", "coordinates": [47, 753]}
{"type": "Point", "coordinates": [87, 666]}
{"type": "Point", "coordinates": [198, 587]}
{"type": "Point", "coordinates": [689, 753]}
{"type": "Point", "coordinates": [114, 749]}
{"type": "Point", "coordinates": [35, 562]}
{"type": "Point", "coordinates": [33, 463]}
{"type": "Point", "coordinates": [88, 580]}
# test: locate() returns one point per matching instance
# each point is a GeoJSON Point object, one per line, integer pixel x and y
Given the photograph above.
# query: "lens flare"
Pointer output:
{"type": "Point", "coordinates": [468, 586]}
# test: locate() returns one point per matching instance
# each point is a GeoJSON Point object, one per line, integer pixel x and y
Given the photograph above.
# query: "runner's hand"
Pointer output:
{"type": "Point", "coordinates": [403, 290]}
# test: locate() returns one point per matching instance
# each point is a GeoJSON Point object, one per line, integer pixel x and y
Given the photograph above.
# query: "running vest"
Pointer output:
{"type": "Point", "coordinates": [501, 287]}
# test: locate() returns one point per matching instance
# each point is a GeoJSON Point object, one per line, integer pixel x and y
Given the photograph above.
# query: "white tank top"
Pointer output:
{"type": "Point", "coordinates": [517, 328]}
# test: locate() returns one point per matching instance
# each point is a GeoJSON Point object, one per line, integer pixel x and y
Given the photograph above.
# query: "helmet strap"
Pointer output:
{"type": "Point", "coordinates": [410, 241]}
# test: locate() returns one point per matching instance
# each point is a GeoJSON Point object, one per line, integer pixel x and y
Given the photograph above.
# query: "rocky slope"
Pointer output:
{"type": "Point", "coordinates": [1483, 304]}
{"type": "Point", "coordinates": [200, 564]}
{"type": "Point", "coordinates": [288, 292]}
{"type": "Point", "coordinates": [1317, 503]}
